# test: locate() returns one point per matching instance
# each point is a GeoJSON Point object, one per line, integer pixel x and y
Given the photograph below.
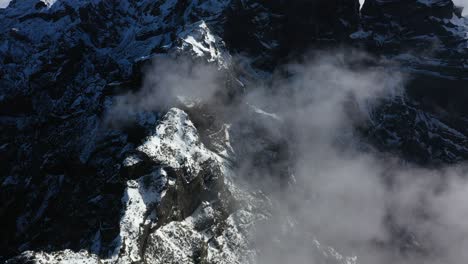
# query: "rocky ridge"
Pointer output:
{"type": "Point", "coordinates": [162, 190]}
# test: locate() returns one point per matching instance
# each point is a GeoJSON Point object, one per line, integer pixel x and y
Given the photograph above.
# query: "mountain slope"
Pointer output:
{"type": "Point", "coordinates": [162, 187]}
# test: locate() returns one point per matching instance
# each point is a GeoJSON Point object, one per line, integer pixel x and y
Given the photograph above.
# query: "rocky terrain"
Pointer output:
{"type": "Point", "coordinates": [79, 185]}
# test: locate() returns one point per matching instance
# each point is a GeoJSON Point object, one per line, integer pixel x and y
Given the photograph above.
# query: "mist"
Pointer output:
{"type": "Point", "coordinates": [462, 3]}
{"type": "Point", "coordinates": [338, 190]}
{"type": "Point", "coordinates": [4, 3]}
{"type": "Point", "coordinates": [169, 82]}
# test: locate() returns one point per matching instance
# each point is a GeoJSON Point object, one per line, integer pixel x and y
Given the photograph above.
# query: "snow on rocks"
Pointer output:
{"type": "Point", "coordinates": [176, 143]}
{"type": "Point", "coordinates": [207, 237]}
{"type": "Point", "coordinates": [212, 233]}
{"type": "Point", "coordinates": [140, 199]}
{"type": "Point", "coordinates": [61, 257]}
{"type": "Point", "coordinates": [220, 229]}
{"type": "Point", "coordinates": [48, 41]}
{"type": "Point", "coordinates": [203, 43]}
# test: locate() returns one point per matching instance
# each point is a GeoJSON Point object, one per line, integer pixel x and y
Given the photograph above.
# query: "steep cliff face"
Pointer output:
{"type": "Point", "coordinates": [428, 38]}
{"type": "Point", "coordinates": [161, 188]}
{"type": "Point", "coordinates": [272, 30]}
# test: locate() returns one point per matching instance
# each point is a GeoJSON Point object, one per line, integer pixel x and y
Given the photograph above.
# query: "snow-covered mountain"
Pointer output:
{"type": "Point", "coordinates": [79, 185]}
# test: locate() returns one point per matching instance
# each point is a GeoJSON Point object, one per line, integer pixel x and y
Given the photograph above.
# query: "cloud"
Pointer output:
{"type": "Point", "coordinates": [462, 3]}
{"type": "Point", "coordinates": [363, 203]}
{"type": "Point", "coordinates": [4, 3]}
{"type": "Point", "coordinates": [170, 81]}
{"type": "Point", "coordinates": [296, 140]}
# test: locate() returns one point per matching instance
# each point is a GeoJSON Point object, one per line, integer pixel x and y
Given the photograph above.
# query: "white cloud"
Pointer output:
{"type": "Point", "coordinates": [360, 203]}
{"type": "Point", "coordinates": [4, 3]}
{"type": "Point", "coordinates": [463, 3]}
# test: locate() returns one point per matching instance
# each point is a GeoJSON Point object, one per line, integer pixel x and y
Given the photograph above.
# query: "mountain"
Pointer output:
{"type": "Point", "coordinates": [161, 186]}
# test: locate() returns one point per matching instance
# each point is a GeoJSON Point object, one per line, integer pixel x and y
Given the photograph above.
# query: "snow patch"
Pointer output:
{"type": "Point", "coordinates": [204, 43]}
{"type": "Point", "coordinates": [140, 198]}
{"type": "Point", "coordinates": [176, 143]}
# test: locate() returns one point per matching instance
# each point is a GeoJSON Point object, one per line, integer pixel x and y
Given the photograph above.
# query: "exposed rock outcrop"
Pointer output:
{"type": "Point", "coordinates": [161, 188]}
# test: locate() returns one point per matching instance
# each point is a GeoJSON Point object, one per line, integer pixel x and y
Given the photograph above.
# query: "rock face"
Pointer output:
{"type": "Point", "coordinates": [277, 29]}
{"type": "Point", "coordinates": [428, 38]}
{"type": "Point", "coordinates": [61, 63]}
{"type": "Point", "coordinates": [162, 189]}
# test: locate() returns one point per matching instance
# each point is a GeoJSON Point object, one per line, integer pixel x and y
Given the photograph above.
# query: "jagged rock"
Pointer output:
{"type": "Point", "coordinates": [189, 176]}
{"type": "Point", "coordinates": [402, 25]}
{"type": "Point", "coordinates": [278, 29]}
{"type": "Point", "coordinates": [57, 85]}
{"type": "Point", "coordinates": [161, 191]}
{"type": "Point", "coordinates": [175, 143]}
